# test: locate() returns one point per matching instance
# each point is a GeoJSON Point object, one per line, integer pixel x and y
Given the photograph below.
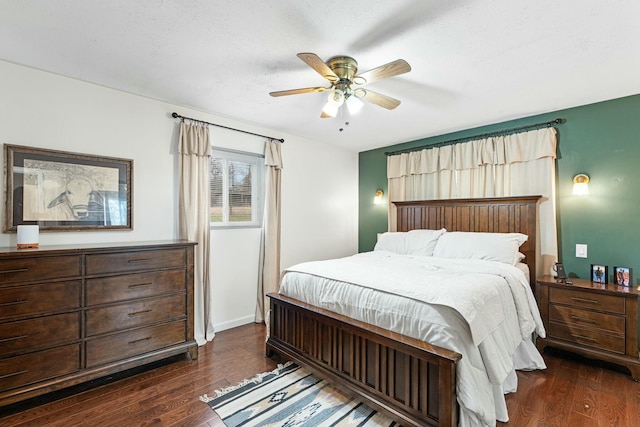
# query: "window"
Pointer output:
{"type": "Point", "coordinates": [236, 180]}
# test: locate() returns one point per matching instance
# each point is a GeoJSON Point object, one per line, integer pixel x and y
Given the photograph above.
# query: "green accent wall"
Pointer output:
{"type": "Point", "coordinates": [601, 140]}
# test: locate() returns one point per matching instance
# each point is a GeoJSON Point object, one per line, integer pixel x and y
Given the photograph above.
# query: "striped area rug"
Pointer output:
{"type": "Point", "coordinates": [291, 396]}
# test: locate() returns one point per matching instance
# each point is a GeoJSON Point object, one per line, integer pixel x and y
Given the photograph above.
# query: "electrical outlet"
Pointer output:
{"type": "Point", "coordinates": [581, 251]}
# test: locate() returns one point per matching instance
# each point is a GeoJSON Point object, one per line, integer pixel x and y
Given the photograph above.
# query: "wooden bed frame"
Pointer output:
{"type": "Point", "coordinates": [412, 381]}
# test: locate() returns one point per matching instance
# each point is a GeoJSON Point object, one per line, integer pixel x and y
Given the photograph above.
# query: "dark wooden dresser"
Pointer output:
{"type": "Point", "coordinates": [592, 319]}
{"type": "Point", "coordinates": [69, 314]}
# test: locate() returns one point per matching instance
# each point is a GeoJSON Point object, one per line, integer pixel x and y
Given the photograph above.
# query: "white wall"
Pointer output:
{"type": "Point", "coordinates": [319, 207]}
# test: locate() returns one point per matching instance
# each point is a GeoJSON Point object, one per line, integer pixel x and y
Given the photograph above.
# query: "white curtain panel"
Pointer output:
{"type": "Point", "coordinates": [520, 164]}
{"type": "Point", "coordinates": [194, 219]}
{"type": "Point", "coordinates": [269, 267]}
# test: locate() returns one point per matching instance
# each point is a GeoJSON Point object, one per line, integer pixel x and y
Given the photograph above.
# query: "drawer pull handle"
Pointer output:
{"type": "Point", "coordinates": [14, 338]}
{"type": "Point", "coordinates": [583, 319]}
{"type": "Point", "coordinates": [133, 261]}
{"type": "Point", "coordinates": [590, 301]}
{"type": "Point", "coordinates": [582, 337]}
{"type": "Point", "coordinates": [20, 301]}
{"type": "Point", "coordinates": [140, 312]}
{"type": "Point", "coordinates": [141, 339]}
{"type": "Point", "coordinates": [137, 285]}
{"type": "Point", "coordinates": [13, 374]}
{"type": "Point", "coordinates": [17, 270]}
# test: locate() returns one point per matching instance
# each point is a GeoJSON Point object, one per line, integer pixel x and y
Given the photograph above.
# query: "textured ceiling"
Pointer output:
{"type": "Point", "coordinates": [473, 62]}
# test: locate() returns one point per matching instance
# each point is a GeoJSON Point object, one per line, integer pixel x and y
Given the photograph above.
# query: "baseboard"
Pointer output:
{"type": "Point", "coordinates": [219, 327]}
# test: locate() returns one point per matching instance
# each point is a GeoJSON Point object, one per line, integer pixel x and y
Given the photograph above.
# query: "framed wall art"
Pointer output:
{"type": "Point", "coordinates": [623, 276]}
{"type": "Point", "coordinates": [599, 273]}
{"type": "Point", "coordinates": [65, 191]}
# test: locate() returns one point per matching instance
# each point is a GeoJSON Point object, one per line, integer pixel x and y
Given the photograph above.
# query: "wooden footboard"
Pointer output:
{"type": "Point", "coordinates": [410, 380]}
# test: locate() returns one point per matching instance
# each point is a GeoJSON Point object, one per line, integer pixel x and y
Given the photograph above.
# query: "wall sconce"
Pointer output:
{"type": "Point", "coordinates": [580, 185]}
{"type": "Point", "coordinates": [377, 199]}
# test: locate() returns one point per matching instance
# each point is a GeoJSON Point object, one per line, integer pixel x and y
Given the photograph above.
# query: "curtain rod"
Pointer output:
{"type": "Point", "coordinates": [484, 135]}
{"type": "Point", "coordinates": [178, 116]}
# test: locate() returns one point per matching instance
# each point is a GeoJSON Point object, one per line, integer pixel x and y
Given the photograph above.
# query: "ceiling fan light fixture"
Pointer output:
{"type": "Point", "coordinates": [336, 97]}
{"type": "Point", "coordinates": [354, 105]}
{"type": "Point", "coordinates": [330, 110]}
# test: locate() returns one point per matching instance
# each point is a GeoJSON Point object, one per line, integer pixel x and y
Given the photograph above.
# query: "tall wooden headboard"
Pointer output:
{"type": "Point", "coordinates": [493, 215]}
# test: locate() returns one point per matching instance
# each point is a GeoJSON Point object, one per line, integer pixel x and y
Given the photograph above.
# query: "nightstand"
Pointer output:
{"type": "Point", "coordinates": [591, 319]}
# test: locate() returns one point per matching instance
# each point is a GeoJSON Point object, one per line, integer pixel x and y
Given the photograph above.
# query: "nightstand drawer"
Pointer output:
{"type": "Point", "coordinates": [587, 337]}
{"type": "Point", "coordinates": [589, 300]}
{"type": "Point", "coordinates": [587, 319]}
{"type": "Point", "coordinates": [124, 262]}
{"type": "Point", "coordinates": [595, 320]}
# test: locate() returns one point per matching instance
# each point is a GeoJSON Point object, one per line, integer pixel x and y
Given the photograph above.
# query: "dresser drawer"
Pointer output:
{"type": "Point", "coordinates": [40, 332]}
{"type": "Point", "coordinates": [33, 367]}
{"type": "Point", "coordinates": [131, 343]}
{"type": "Point", "coordinates": [31, 269]}
{"type": "Point", "coordinates": [138, 313]}
{"type": "Point", "coordinates": [590, 300]}
{"type": "Point", "coordinates": [587, 319]}
{"type": "Point", "coordinates": [124, 262]}
{"type": "Point", "coordinates": [120, 288]}
{"type": "Point", "coordinates": [30, 300]}
{"type": "Point", "coordinates": [587, 337]}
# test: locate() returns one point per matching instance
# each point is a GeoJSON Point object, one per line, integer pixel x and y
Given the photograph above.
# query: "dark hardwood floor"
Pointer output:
{"type": "Point", "coordinates": [571, 392]}
{"type": "Point", "coordinates": [574, 391]}
{"type": "Point", "coordinates": [166, 395]}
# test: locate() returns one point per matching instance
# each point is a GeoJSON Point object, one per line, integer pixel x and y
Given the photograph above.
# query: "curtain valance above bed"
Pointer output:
{"type": "Point", "coordinates": [498, 150]}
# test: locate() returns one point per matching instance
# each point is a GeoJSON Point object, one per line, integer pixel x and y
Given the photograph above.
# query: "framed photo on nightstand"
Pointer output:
{"type": "Point", "coordinates": [599, 273]}
{"type": "Point", "coordinates": [623, 276]}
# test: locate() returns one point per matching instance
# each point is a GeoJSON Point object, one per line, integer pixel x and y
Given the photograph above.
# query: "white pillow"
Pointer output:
{"type": "Point", "coordinates": [414, 242]}
{"type": "Point", "coordinates": [422, 242]}
{"type": "Point", "coordinates": [392, 242]}
{"type": "Point", "coordinates": [502, 247]}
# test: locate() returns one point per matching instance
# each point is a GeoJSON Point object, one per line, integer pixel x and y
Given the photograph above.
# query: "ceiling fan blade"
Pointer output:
{"type": "Point", "coordinates": [399, 66]}
{"type": "Point", "coordinates": [325, 116]}
{"type": "Point", "coordinates": [383, 101]}
{"type": "Point", "coordinates": [299, 91]}
{"type": "Point", "coordinates": [314, 61]}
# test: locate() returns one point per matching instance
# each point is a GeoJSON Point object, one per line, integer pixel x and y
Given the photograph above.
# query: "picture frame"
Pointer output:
{"type": "Point", "coordinates": [623, 276]}
{"type": "Point", "coordinates": [599, 273]}
{"type": "Point", "coordinates": [65, 191]}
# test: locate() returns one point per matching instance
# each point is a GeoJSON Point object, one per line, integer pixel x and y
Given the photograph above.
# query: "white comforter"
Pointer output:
{"type": "Point", "coordinates": [482, 309]}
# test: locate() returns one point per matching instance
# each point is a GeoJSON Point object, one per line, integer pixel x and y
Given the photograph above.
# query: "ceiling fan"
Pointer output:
{"type": "Point", "coordinates": [345, 88]}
